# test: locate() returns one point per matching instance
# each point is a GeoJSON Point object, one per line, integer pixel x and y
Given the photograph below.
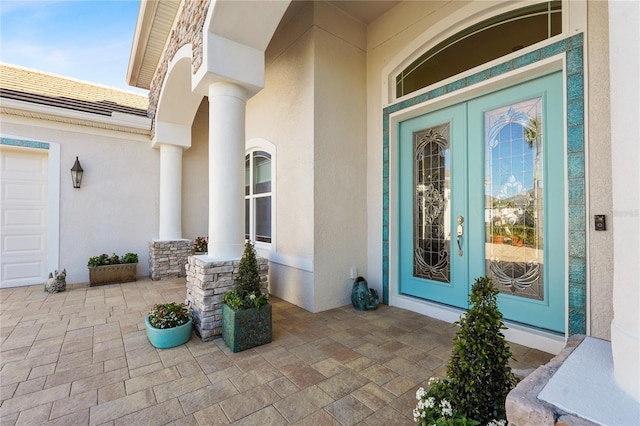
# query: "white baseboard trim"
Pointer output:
{"type": "Point", "coordinates": [516, 333]}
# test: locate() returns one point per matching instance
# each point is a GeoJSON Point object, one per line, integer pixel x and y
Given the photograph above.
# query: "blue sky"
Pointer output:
{"type": "Point", "coordinates": [88, 40]}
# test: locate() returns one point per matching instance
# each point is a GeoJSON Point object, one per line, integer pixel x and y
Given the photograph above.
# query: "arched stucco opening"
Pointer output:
{"type": "Point", "coordinates": [177, 106]}
{"type": "Point", "coordinates": [177, 103]}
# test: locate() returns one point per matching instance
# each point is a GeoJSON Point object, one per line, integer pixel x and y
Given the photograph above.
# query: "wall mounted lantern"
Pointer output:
{"type": "Point", "coordinates": [76, 174]}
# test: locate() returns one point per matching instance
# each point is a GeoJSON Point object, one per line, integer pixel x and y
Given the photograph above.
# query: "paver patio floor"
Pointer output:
{"type": "Point", "coordinates": [82, 357]}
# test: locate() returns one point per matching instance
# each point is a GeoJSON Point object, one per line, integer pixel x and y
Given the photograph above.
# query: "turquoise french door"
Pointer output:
{"type": "Point", "coordinates": [482, 192]}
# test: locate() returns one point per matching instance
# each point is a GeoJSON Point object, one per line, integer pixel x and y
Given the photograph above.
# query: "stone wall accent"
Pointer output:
{"type": "Point", "coordinates": [524, 407]}
{"type": "Point", "coordinates": [207, 281]}
{"type": "Point", "coordinates": [188, 29]}
{"type": "Point", "coordinates": [167, 259]}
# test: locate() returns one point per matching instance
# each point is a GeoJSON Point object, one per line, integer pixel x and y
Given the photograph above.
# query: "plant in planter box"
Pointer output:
{"type": "Point", "coordinates": [105, 269]}
{"type": "Point", "coordinates": [200, 245]}
{"type": "Point", "coordinates": [246, 313]}
{"type": "Point", "coordinates": [168, 325]}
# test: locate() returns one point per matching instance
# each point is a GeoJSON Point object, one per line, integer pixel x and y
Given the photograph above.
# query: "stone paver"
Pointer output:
{"type": "Point", "coordinates": [82, 357]}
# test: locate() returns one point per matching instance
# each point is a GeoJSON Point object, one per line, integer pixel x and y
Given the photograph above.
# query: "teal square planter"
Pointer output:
{"type": "Point", "coordinates": [246, 329]}
{"type": "Point", "coordinates": [163, 338]}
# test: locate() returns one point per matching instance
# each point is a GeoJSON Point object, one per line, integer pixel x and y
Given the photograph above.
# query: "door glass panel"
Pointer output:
{"type": "Point", "coordinates": [514, 210]}
{"type": "Point", "coordinates": [431, 212]}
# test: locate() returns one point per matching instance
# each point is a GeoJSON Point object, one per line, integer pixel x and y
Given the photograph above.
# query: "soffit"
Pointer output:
{"type": "Point", "coordinates": [155, 21]}
{"type": "Point", "coordinates": [365, 11]}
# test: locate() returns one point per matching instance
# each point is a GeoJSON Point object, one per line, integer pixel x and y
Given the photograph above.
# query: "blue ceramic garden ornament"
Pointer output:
{"type": "Point", "coordinates": [363, 298]}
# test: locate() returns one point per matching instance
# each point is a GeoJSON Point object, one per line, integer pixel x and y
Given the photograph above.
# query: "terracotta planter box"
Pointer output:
{"type": "Point", "coordinates": [246, 329]}
{"type": "Point", "coordinates": [113, 274]}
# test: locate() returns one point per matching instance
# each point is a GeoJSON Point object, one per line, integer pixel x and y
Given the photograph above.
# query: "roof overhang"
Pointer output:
{"type": "Point", "coordinates": [155, 21]}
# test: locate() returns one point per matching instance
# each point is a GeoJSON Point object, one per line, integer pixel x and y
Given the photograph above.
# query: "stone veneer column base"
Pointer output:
{"type": "Point", "coordinates": [167, 259]}
{"type": "Point", "coordinates": [207, 281]}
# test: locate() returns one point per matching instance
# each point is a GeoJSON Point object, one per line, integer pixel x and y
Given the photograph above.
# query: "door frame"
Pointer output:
{"type": "Point", "coordinates": [53, 193]}
{"type": "Point", "coordinates": [565, 55]}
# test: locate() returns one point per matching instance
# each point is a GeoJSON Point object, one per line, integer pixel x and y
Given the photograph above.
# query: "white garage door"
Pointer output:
{"type": "Point", "coordinates": [23, 233]}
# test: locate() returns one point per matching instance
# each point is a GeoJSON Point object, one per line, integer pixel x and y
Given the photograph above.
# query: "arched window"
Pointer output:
{"type": "Point", "coordinates": [258, 197]}
{"type": "Point", "coordinates": [482, 43]}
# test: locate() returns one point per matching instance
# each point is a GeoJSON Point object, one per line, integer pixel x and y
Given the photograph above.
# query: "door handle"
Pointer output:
{"type": "Point", "coordinates": [460, 233]}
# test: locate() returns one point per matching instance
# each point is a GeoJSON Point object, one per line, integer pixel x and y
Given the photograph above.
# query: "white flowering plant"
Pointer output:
{"type": "Point", "coordinates": [237, 302]}
{"type": "Point", "coordinates": [434, 407]}
{"type": "Point", "coordinates": [169, 315]}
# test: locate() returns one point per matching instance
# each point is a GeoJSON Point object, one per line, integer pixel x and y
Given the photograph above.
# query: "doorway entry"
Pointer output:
{"type": "Point", "coordinates": [482, 192]}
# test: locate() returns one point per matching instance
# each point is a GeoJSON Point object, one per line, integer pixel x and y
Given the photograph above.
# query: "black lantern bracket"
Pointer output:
{"type": "Point", "coordinates": [76, 174]}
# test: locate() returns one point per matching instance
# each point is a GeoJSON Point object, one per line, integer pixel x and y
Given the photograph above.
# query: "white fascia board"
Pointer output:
{"type": "Point", "coordinates": [22, 118]}
{"type": "Point", "coordinates": [117, 119]}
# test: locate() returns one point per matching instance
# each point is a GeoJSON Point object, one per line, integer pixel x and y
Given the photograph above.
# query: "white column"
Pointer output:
{"type": "Point", "coordinates": [624, 57]}
{"type": "Point", "coordinates": [227, 103]}
{"type": "Point", "coordinates": [170, 192]}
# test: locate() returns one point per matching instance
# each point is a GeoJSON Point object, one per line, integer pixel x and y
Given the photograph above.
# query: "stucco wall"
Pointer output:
{"type": "Point", "coordinates": [282, 113]}
{"type": "Point", "coordinates": [599, 167]}
{"type": "Point", "coordinates": [116, 209]}
{"type": "Point", "coordinates": [313, 110]}
{"type": "Point", "coordinates": [340, 155]}
{"type": "Point", "coordinates": [195, 177]}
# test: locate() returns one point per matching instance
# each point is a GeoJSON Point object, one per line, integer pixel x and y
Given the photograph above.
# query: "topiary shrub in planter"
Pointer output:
{"type": "Point", "coordinates": [246, 313]}
{"type": "Point", "coordinates": [105, 269]}
{"type": "Point", "coordinates": [478, 373]}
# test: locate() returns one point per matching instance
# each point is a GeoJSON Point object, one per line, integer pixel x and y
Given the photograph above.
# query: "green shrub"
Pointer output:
{"type": "Point", "coordinates": [247, 293]}
{"type": "Point", "coordinates": [130, 258]}
{"type": "Point", "coordinates": [248, 279]}
{"type": "Point", "coordinates": [478, 372]}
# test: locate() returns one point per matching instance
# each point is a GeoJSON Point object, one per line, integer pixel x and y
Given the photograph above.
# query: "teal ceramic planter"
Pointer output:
{"type": "Point", "coordinates": [164, 338]}
{"type": "Point", "coordinates": [246, 329]}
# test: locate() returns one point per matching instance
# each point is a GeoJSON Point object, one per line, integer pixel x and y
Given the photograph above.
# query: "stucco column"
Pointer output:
{"type": "Point", "coordinates": [227, 104]}
{"type": "Point", "coordinates": [624, 37]}
{"type": "Point", "coordinates": [170, 192]}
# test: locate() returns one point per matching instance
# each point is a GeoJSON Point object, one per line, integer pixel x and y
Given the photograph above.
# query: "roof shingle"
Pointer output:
{"type": "Point", "coordinates": [47, 89]}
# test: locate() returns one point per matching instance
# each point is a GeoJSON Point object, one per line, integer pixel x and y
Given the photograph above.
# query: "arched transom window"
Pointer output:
{"type": "Point", "coordinates": [482, 43]}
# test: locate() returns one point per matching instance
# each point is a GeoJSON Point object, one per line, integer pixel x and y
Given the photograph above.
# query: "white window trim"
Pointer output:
{"type": "Point", "coordinates": [259, 144]}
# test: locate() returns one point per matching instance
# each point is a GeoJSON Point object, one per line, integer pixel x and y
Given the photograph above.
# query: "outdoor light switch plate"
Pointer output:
{"type": "Point", "coordinates": [600, 222]}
